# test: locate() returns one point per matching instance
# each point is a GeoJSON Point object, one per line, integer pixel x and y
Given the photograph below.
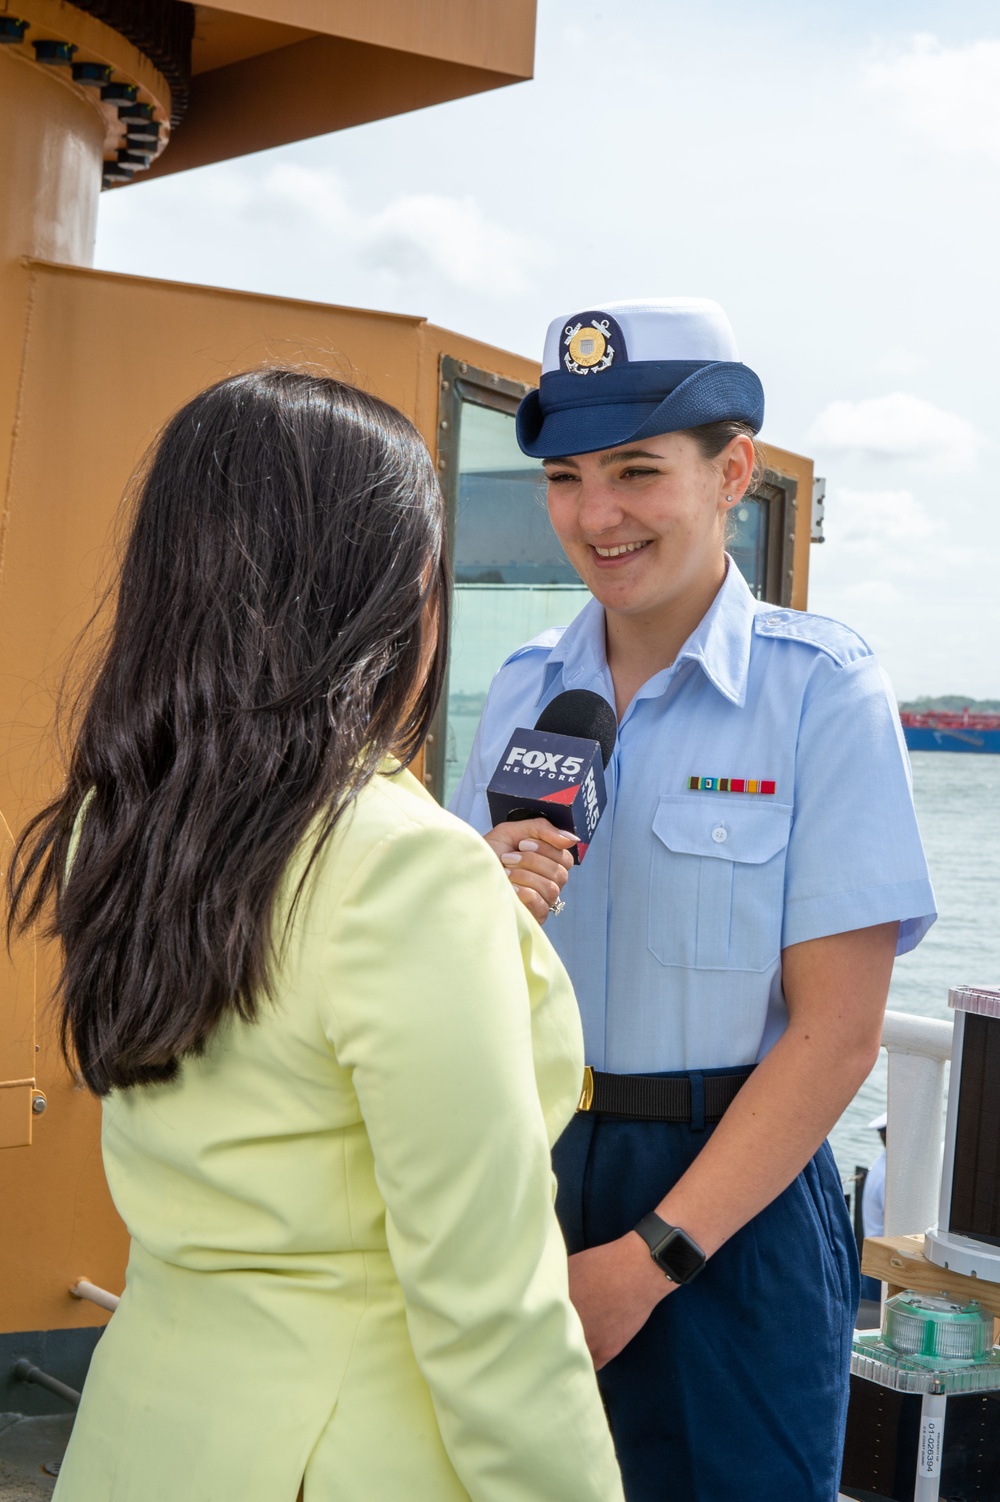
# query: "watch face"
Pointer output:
{"type": "Point", "coordinates": [679, 1256]}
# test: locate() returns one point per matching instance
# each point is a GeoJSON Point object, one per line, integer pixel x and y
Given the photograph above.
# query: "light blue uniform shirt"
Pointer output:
{"type": "Point", "coordinates": [675, 921]}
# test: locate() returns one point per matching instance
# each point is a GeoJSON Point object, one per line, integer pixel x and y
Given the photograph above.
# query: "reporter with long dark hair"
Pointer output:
{"type": "Point", "coordinates": [333, 1049]}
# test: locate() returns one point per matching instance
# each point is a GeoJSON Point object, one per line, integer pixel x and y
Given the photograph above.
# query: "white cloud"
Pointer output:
{"type": "Point", "coordinates": [881, 546]}
{"type": "Point", "coordinates": [872, 592]}
{"type": "Point", "coordinates": [948, 92]}
{"type": "Point", "coordinates": [888, 523]}
{"type": "Point", "coordinates": [413, 234]}
{"type": "Point", "coordinates": [899, 426]}
{"type": "Point", "coordinates": [301, 231]}
{"type": "Point", "coordinates": [454, 238]}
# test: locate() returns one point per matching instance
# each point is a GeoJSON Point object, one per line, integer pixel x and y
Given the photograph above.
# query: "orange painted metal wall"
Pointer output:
{"type": "Point", "coordinates": [270, 71]}
{"type": "Point", "coordinates": [91, 365]}
{"type": "Point", "coordinates": [105, 361]}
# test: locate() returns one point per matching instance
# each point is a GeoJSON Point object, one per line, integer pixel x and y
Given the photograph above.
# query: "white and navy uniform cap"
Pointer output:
{"type": "Point", "coordinates": [630, 370]}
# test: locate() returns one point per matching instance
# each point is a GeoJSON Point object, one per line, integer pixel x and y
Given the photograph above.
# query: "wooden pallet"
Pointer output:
{"type": "Point", "coordinates": [899, 1261]}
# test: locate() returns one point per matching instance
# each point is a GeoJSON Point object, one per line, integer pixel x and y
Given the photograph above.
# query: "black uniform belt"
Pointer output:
{"type": "Point", "coordinates": [651, 1097]}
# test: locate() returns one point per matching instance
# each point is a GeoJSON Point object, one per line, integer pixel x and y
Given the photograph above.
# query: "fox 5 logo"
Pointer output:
{"type": "Point", "coordinates": [591, 812]}
{"type": "Point", "coordinates": [547, 763]}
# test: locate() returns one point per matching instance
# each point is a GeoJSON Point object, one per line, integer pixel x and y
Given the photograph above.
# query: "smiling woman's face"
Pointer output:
{"type": "Point", "coordinates": [644, 524]}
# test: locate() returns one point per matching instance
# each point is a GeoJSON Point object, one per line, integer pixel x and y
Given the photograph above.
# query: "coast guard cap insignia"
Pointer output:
{"type": "Point", "coordinates": [591, 341]}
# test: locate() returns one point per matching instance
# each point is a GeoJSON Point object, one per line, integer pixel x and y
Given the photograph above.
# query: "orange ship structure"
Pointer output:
{"type": "Point", "coordinates": [103, 94]}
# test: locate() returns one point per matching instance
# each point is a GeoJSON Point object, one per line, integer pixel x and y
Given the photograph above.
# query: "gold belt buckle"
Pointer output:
{"type": "Point", "coordinates": [586, 1100]}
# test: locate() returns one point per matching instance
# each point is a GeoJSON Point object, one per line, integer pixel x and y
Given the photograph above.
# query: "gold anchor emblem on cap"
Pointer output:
{"type": "Point", "coordinates": [588, 347]}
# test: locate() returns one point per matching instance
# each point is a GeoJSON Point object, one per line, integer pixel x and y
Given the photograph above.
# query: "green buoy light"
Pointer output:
{"type": "Point", "coordinates": [936, 1330]}
{"type": "Point", "coordinates": [931, 1344]}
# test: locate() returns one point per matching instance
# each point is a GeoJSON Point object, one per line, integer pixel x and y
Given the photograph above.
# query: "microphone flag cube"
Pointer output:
{"type": "Point", "coordinates": [554, 777]}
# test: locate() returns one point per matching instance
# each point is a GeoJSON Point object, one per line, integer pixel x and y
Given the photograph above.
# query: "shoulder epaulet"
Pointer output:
{"type": "Point", "coordinates": [543, 642]}
{"type": "Point", "coordinates": [832, 637]}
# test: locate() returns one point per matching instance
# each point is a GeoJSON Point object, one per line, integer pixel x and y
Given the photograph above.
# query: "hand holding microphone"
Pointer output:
{"type": "Point", "coordinates": [536, 857]}
{"type": "Point", "coordinates": [547, 795]}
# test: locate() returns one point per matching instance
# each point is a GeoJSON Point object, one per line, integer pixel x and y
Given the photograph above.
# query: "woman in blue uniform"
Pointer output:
{"type": "Point", "coordinates": [732, 930]}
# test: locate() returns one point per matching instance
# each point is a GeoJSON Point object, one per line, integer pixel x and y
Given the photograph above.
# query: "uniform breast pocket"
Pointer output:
{"type": "Point", "coordinates": [717, 880]}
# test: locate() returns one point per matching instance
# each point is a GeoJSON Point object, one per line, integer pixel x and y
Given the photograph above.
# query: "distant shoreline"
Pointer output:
{"type": "Point", "coordinates": [953, 702]}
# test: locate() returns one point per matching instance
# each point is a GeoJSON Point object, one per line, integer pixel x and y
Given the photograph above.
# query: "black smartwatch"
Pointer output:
{"type": "Point", "coordinates": [671, 1249]}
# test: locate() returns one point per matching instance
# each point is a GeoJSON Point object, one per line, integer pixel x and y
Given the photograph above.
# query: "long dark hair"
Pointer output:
{"type": "Point", "coordinates": [267, 651]}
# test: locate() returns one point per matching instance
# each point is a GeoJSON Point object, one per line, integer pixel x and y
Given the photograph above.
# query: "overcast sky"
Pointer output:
{"type": "Point", "coordinates": [828, 172]}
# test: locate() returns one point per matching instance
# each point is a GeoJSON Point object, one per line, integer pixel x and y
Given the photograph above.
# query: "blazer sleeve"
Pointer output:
{"type": "Point", "coordinates": [430, 1011]}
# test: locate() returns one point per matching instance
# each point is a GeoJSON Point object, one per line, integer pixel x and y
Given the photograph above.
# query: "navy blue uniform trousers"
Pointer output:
{"type": "Point", "coordinates": [737, 1385]}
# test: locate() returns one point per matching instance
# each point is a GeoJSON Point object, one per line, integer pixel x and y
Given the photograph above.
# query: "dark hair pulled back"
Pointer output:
{"type": "Point", "coordinates": [266, 653]}
{"type": "Point", "coordinates": [713, 437]}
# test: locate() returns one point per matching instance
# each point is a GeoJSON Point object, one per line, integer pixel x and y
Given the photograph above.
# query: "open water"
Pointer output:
{"type": "Point", "coordinates": [957, 796]}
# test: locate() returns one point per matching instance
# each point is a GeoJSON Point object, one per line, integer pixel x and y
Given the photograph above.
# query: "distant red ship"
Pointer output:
{"type": "Point", "coordinates": [952, 730]}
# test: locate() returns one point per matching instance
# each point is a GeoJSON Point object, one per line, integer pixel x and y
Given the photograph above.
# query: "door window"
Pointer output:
{"type": "Point", "coordinates": [512, 579]}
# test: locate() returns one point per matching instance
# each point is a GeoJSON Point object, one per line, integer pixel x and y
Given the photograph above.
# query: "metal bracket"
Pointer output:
{"type": "Point", "coordinates": [818, 510]}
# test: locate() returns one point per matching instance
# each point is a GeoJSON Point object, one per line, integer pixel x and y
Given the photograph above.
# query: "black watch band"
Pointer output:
{"type": "Point", "coordinates": [672, 1249]}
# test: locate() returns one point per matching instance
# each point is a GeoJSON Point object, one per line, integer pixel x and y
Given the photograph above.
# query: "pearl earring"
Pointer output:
{"type": "Point", "coordinates": [728, 497]}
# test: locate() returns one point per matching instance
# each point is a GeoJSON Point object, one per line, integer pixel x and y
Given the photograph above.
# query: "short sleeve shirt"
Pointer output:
{"type": "Point", "coordinates": [758, 796]}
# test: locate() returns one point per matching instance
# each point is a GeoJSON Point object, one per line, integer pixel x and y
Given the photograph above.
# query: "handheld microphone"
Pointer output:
{"type": "Point", "coordinates": [556, 771]}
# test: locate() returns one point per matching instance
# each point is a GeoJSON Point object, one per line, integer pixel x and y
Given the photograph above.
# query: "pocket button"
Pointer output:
{"type": "Point", "coordinates": [720, 833]}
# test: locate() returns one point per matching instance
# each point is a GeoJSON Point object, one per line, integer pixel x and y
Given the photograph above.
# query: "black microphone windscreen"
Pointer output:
{"type": "Point", "coordinates": [582, 713]}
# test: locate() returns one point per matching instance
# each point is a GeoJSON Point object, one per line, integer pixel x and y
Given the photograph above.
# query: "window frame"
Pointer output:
{"type": "Point", "coordinates": [781, 493]}
{"type": "Point", "coordinates": [459, 383]}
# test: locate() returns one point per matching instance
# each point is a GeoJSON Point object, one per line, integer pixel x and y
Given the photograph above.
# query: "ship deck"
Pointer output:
{"type": "Point", "coordinates": [30, 1452]}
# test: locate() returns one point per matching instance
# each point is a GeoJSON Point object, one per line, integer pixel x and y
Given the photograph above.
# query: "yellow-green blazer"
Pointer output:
{"type": "Point", "coordinates": [345, 1263]}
